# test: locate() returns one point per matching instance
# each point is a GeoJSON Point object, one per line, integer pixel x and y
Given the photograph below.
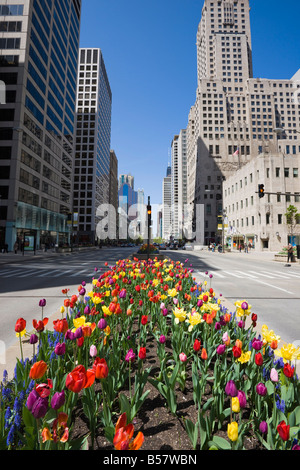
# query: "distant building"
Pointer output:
{"type": "Point", "coordinates": [261, 221]}
{"type": "Point", "coordinates": [39, 44]}
{"type": "Point", "coordinates": [93, 138]}
{"type": "Point", "coordinates": [166, 206]}
{"type": "Point", "coordinates": [126, 179]}
{"type": "Point", "coordinates": [179, 183]}
{"type": "Point", "coordinates": [113, 187]}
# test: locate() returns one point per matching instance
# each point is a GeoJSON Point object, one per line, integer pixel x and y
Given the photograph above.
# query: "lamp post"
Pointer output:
{"type": "Point", "coordinates": [149, 226]}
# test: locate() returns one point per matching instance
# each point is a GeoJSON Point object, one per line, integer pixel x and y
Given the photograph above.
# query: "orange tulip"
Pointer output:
{"type": "Point", "coordinates": [80, 378]}
{"type": "Point", "coordinates": [124, 434]}
{"type": "Point", "coordinates": [38, 370]}
{"type": "Point", "coordinates": [204, 354]}
{"type": "Point", "coordinates": [60, 326]}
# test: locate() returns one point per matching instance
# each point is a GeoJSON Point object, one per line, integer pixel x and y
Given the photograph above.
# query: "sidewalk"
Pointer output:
{"type": "Point", "coordinates": [39, 254]}
{"type": "Point", "coordinates": [252, 254]}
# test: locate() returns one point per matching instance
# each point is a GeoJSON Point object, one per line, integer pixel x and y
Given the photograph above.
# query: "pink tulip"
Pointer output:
{"type": "Point", "coordinates": [183, 357]}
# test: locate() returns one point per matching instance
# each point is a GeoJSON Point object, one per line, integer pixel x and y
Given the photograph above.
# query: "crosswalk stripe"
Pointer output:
{"type": "Point", "coordinates": [28, 273]}
{"type": "Point", "coordinates": [247, 274]}
{"type": "Point", "coordinates": [276, 275]}
{"type": "Point", "coordinates": [78, 272]}
{"type": "Point", "coordinates": [232, 274]}
{"type": "Point", "coordinates": [15, 273]}
{"type": "Point", "coordinates": [261, 274]}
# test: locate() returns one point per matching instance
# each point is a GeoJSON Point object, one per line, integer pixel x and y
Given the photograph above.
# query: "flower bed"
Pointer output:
{"type": "Point", "coordinates": [147, 329]}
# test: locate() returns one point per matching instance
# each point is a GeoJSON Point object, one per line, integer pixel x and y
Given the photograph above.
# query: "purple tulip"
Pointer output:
{"type": "Point", "coordinates": [218, 325]}
{"type": "Point", "coordinates": [257, 344]}
{"type": "Point", "coordinates": [162, 339]}
{"type": "Point", "coordinates": [241, 324]}
{"type": "Point", "coordinates": [42, 303]}
{"type": "Point", "coordinates": [296, 447]}
{"type": "Point", "coordinates": [32, 398]}
{"type": "Point", "coordinates": [261, 389]}
{"type": "Point", "coordinates": [37, 405]}
{"type": "Point", "coordinates": [60, 349]}
{"type": "Point", "coordinates": [33, 339]}
{"type": "Point", "coordinates": [122, 294]}
{"type": "Point", "coordinates": [58, 400]}
{"type": "Point", "coordinates": [200, 303]}
{"type": "Point", "coordinates": [221, 349]}
{"type": "Point", "coordinates": [82, 291]}
{"type": "Point", "coordinates": [242, 398]}
{"type": "Point", "coordinates": [263, 427]}
{"type": "Point", "coordinates": [244, 305]}
{"type": "Point", "coordinates": [231, 389]}
{"type": "Point", "coordinates": [165, 312]}
{"type": "Point", "coordinates": [102, 324]}
{"type": "Point", "coordinates": [130, 356]}
{"type": "Point", "coordinates": [78, 333]}
{"type": "Point", "coordinates": [87, 310]}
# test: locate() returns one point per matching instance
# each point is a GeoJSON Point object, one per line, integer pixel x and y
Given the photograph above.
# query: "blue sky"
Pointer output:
{"type": "Point", "coordinates": [149, 50]}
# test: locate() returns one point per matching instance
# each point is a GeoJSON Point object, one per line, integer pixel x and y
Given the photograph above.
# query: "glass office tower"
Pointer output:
{"type": "Point", "coordinates": [39, 44]}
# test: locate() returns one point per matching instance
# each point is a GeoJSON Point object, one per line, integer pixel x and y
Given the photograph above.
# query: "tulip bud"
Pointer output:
{"type": "Point", "coordinates": [93, 351]}
{"type": "Point", "coordinates": [231, 389]}
{"type": "Point", "coordinates": [263, 427]}
{"type": "Point", "coordinates": [274, 375]}
{"type": "Point", "coordinates": [58, 400]}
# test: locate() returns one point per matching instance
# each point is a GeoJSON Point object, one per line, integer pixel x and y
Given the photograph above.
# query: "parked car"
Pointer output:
{"type": "Point", "coordinates": [162, 246]}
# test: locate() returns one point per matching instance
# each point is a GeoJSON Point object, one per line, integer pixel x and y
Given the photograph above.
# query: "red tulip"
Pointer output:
{"type": "Point", "coordinates": [60, 326]}
{"type": "Point", "coordinates": [288, 370]}
{"type": "Point", "coordinates": [142, 353]}
{"type": "Point", "coordinates": [259, 359]}
{"type": "Point", "coordinates": [283, 430]}
{"type": "Point", "coordinates": [20, 325]}
{"type": "Point", "coordinates": [100, 368]}
{"type": "Point", "coordinates": [236, 351]}
{"type": "Point", "coordinates": [80, 378]}
{"type": "Point", "coordinates": [39, 325]}
{"type": "Point", "coordinates": [197, 345]}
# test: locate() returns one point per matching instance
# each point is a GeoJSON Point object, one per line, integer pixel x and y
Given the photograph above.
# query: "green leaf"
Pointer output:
{"type": "Point", "coordinates": [221, 443]}
{"type": "Point", "coordinates": [192, 431]}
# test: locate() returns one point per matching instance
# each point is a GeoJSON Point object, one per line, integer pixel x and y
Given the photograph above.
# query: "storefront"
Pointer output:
{"type": "Point", "coordinates": [36, 228]}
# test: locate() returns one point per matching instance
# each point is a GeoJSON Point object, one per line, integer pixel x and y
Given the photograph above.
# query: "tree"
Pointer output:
{"type": "Point", "coordinates": [292, 219]}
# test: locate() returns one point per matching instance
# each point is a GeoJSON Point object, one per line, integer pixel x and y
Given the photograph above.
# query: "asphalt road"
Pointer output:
{"type": "Point", "coordinates": [272, 288]}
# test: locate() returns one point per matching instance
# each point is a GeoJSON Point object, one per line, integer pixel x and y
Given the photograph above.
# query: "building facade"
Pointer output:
{"type": "Point", "coordinates": [261, 222]}
{"type": "Point", "coordinates": [235, 117]}
{"type": "Point", "coordinates": [93, 138]}
{"type": "Point", "coordinates": [166, 205]}
{"type": "Point", "coordinates": [179, 183]}
{"type": "Point", "coordinates": [39, 44]}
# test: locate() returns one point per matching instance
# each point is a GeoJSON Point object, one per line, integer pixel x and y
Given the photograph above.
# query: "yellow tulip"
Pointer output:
{"type": "Point", "coordinates": [245, 357]}
{"type": "Point", "coordinates": [180, 315]}
{"type": "Point", "coordinates": [233, 431]}
{"type": "Point", "coordinates": [235, 405]}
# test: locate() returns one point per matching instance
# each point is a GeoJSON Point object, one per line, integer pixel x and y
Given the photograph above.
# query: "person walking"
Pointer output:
{"type": "Point", "coordinates": [16, 246]}
{"type": "Point", "coordinates": [290, 253]}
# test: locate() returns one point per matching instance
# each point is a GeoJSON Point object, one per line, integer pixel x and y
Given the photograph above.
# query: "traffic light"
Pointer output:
{"type": "Point", "coordinates": [149, 215]}
{"type": "Point", "coordinates": [261, 190]}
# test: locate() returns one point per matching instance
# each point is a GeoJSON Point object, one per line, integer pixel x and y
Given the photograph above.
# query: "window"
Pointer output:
{"type": "Point", "coordinates": [286, 172]}
{"type": "Point", "coordinates": [279, 221]}
{"type": "Point", "coordinates": [295, 172]}
{"type": "Point", "coordinates": [277, 172]}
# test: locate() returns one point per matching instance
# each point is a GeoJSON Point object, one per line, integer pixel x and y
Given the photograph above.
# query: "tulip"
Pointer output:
{"type": "Point", "coordinates": [38, 370]}
{"type": "Point", "coordinates": [221, 349]}
{"type": "Point", "coordinates": [142, 353]}
{"type": "Point", "coordinates": [263, 427]}
{"type": "Point", "coordinates": [257, 344]}
{"type": "Point", "coordinates": [60, 349]}
{"type": "Point", "coordinates": [244, 305]}
{"type": "Point", "coordinates": [296, 447]}
{"type": "Point", "coordinates": [197, 345]}
{"type": "Point", "coordinates": [261, 389]}
{"type": "Point", "coordinates": [274, 375]}
{"type": "Point", "coordinates": [61, 326]}
{"type": "Point", "coordinates": [144, 320]}
{"type": "Point", "coordinates": [182, 357]}
{"type": "Point", "coordinates": [130, 356]}
{"type": "Point", "coordinates": [93, 351]}
{"type": "Point", "coordinates": [37, 405]}
{"type": "Point", "coordinates": [237, 352]}
{"type": "Point", "coordinates": [44, 390]}
{"type": "Point", "coordinates": [58, 400]}
{"type": "Point", "coordinates": [288, 370]}
{"type": "Point", "coordinates": [102, 324]}
{"type": "Point", "coordinates": [42, 303]}
{"type": "Point", "coordinates": [231, 389]}
{"type": "Point", "coordinates": [283, 430]}
{"type": "Point", "coordinates": [235, 405]}
{"type": "Point", "coordinates": [259, 359]}
{"type": "Point", "coordinates": [242, 398]}
{"type": "Point", "coordinates": [33, 339]}
{"type": "Point", "coordinates": [232, 431]}
{"type": "Point", "coordinates": [162, 339]}
{"type": "Point", "coordinates": [80, 378]}
{"type": "Point", "coordinates": [204, 355]}
{"type": "Point", "coordinates": [87, 310]}
{"type": "Point", "coordinates": [20, 325]}
{"type": "Point", "coordinates": [100, 368]}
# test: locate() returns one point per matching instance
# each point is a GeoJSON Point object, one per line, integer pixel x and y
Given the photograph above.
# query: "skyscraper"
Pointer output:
{"type": "Point", "coordinates": [179, 183]}
{"type": "Point", "coordinates": [93, 137]}
{"type": "Point", "coordinates": [235, 115]}
{"type": "Point", "coordinates": [39, 43]}
{"type": "Point", "coordinates": [166, 206]}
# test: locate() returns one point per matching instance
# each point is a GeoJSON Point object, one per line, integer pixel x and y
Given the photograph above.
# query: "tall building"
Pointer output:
{"type": "Point", "coordinates": [166, 206]}
{"type": "Point", "coordinates": [235, 116]}
{"type": "Point", "coordinates": [179, 183]}
{"type": "Point", "coordinates": [126, 179]}
{"type": "Point", "coordinates": [113, 191]}
{"type": "Point", "coordinates": [93, 138]}
{"type": "Point", "coordinates": [39, 42]}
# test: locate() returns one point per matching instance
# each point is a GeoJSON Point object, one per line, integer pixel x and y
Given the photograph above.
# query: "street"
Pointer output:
{"type": "Point", "coordinates": [269, 286]}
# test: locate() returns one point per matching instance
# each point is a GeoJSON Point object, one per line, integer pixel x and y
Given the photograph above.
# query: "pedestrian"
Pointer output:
{"type": "Point", "coordinates": [16, 246]}
{"type": "Point", "coordinates": [290, 253]}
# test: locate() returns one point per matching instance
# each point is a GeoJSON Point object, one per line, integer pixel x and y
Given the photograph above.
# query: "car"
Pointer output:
{"type": "Point", "coordinates": [162, 246]}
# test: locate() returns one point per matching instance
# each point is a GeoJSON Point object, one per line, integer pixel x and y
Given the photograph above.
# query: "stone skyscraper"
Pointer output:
{"type": "Point", "coordinates": [235, 115]}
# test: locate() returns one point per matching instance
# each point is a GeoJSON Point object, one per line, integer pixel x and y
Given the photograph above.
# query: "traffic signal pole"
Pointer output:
{"type": "Point", "coordinates": [149, 226]}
